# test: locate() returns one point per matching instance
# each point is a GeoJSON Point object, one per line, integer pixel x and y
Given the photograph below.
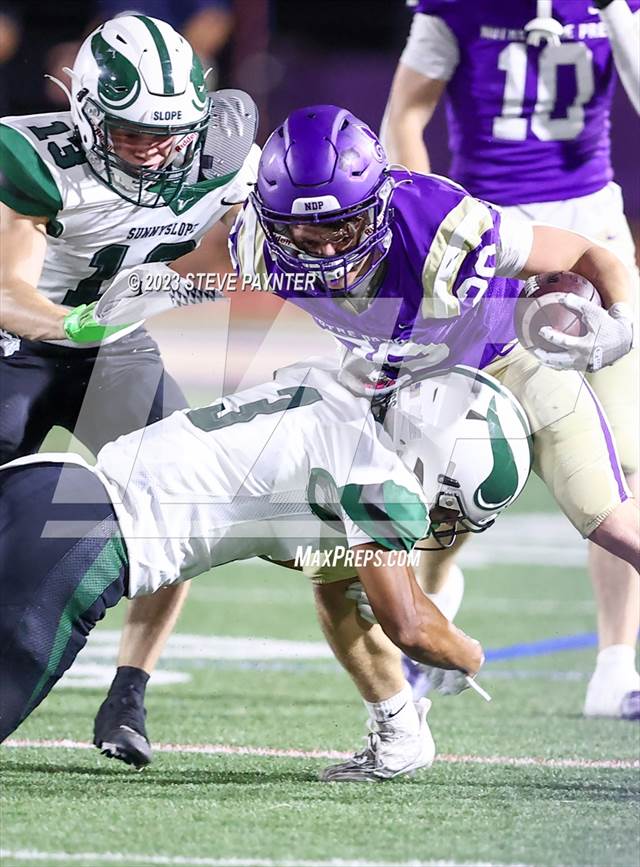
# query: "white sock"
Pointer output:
{"type": "Point", "coordinates": [399, 710]}
{"type": "Point", "coordinates": [449, 599]}
{"type": "Point", "coordinates": [619, 656]}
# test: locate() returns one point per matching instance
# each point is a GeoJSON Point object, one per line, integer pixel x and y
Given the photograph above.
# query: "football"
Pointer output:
{"type": "Point", "coordinates": [539, 306]}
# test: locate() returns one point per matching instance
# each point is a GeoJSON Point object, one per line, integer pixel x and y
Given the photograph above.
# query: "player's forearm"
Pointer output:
{"type": "Point", "coordinates": [623, 28]}
{"type": "Point", "coordinates": [432, 640]}
{"type": "Point", "coordinates": [411, 620]}
{"type": "Point", "coordinates": [607, 273]}
{"type": "Point", "coordinates": [560, 250]}
{"type": "Point", "coordinates": [27, 313]}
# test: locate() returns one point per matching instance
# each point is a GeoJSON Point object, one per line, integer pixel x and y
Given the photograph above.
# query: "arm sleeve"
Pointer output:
{"type": "Point", "coordinates": [431, 49]}
{"type": "Point", "coordinates": [623, 28]}
{"type": "Point", "coordinates": [514, 246]}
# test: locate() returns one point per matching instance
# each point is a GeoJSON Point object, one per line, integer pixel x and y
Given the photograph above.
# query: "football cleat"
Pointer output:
{"type": "Point", "coordinates": [119, 729]}
{"type": "Point", "coordinates": [613, 694]}
{"type": "Point", "coordinates": [390, 752]}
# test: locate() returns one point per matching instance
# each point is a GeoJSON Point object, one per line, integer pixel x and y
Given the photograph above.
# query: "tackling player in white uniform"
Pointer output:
{"type": "Point", "coordinates": [115, 182]}
{"type": "Point", "coordinates": [294, 464]}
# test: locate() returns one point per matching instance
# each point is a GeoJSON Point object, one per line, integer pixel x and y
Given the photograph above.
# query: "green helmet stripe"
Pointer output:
{"type": "Point", "coordinates": [119, 82]}
{"type": "Point", "coordinates": [472, 373]}
{"type": "Point", "coordinates": [502, 482]}
{"type": "Point", "coordinates": [163, 52]}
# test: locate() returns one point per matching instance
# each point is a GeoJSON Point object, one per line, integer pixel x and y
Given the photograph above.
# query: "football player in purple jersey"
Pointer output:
{"type": "Point", "coordinates": [410, 271]}
{"type": "Point", "coordinates": [528, 89]}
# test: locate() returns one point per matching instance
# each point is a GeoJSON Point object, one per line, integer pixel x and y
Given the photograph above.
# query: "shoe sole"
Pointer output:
{"type": "Point", "coordinates": [127, 746]}
{"type": "Point", "coordinates": [348, 777]}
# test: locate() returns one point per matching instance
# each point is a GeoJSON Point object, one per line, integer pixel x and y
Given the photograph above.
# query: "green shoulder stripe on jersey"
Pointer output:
{"type": "Point", "coordinates": [163, 52]}
{"type": "Point", "coordinates": [26, 183]}
{"type": "Point", "coordinates": [397, 523]}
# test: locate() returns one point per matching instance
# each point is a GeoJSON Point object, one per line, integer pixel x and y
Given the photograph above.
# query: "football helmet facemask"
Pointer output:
{"type": "Point", "coordinates": [135, 79]}
{"type": "Point", "coordinates": [468, 441]}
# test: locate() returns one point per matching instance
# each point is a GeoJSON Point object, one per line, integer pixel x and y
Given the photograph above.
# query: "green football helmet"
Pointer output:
{"type": "Point", "coordinates": [468, 441]}
{"type": "Point", "coordinates": [136, 76]}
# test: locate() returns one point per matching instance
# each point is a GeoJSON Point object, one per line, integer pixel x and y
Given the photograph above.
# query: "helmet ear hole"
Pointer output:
{"type": "Point", "coordinates": [418, 470]}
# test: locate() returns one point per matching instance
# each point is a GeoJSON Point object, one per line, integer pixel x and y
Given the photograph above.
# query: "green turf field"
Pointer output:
{"type": "Point", "coordinates": [523, 780]}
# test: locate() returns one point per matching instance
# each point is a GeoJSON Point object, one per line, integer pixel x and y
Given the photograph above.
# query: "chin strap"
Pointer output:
{"type": "Point", "coordinates": [544, 27]}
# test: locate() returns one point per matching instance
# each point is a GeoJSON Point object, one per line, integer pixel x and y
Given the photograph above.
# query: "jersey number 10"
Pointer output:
{"type": "Point", "coordinates": [513, 60]}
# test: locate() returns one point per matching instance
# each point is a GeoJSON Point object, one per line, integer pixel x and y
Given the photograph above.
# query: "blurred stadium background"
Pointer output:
{"type": "Point", "coordinates": [528, 588]}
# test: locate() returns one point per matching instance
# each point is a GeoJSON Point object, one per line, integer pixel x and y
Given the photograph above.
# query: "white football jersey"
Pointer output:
{"type": "Point", "coordinates": [296, 462]}
{"type": "Point", "coordinates": [92, 232]}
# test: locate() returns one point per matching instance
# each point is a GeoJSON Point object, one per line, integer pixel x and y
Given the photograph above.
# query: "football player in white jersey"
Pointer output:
{"type": "Point", "coordinates": [110, 184]}
{"type": "Point", "coordinates": [293, 465]}
{"type": "Point", "coordinates": [554, 155]}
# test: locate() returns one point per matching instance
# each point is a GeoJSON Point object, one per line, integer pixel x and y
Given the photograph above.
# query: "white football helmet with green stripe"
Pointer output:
{"type": "Point", "coordinates": [137, 75]}
{"type": "Point", "coordinates": [468, 440]}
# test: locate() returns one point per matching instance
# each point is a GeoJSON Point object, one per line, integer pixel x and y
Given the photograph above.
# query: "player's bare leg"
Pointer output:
{"type": "Point", "coordinates": [362, 649]}
{"type": "Point", "coordinates": [399, 742]}
{"type": "Point", "coordinates": [119, 728]}
{"type": "Point", "coordinates": [614, 687]}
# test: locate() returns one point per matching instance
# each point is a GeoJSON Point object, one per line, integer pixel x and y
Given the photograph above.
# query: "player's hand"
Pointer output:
{"type": "Point", "coordinates": [609, 336]}
{"type": "Point", "coordinates": [356, 592]}
{"type": "Point", "coordinates": [446, 682]}
{"type": "Point", "coordinates": [146, 290]}
{"type": "Point", "coordinates": [80, 325]}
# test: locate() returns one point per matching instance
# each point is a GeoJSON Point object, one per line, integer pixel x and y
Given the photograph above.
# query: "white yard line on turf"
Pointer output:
{"type": "Point", "coordinates": [92, 858]}
{"type": "Point", "coordinates": [269, 752]}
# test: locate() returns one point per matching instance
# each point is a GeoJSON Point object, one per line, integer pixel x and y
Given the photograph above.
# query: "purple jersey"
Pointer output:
{"type": "Point", "coordinates": [435, 296]}
{"type": "Point", "coordinates": [528, 124]}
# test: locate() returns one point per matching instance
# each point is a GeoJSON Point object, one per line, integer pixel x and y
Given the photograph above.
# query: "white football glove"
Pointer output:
{"type": "Point", "coordinates": [356, 592]}
{"type": "Point", "coordinates": [145, 290]}
{"type": "Point", "coordinates": [609, 336]}
{"type": "Point", "coordinates": [446, 681]}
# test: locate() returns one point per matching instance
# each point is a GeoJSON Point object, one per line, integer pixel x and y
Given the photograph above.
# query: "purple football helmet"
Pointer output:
{"type": "Point", "coordinates": [322, 197]}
